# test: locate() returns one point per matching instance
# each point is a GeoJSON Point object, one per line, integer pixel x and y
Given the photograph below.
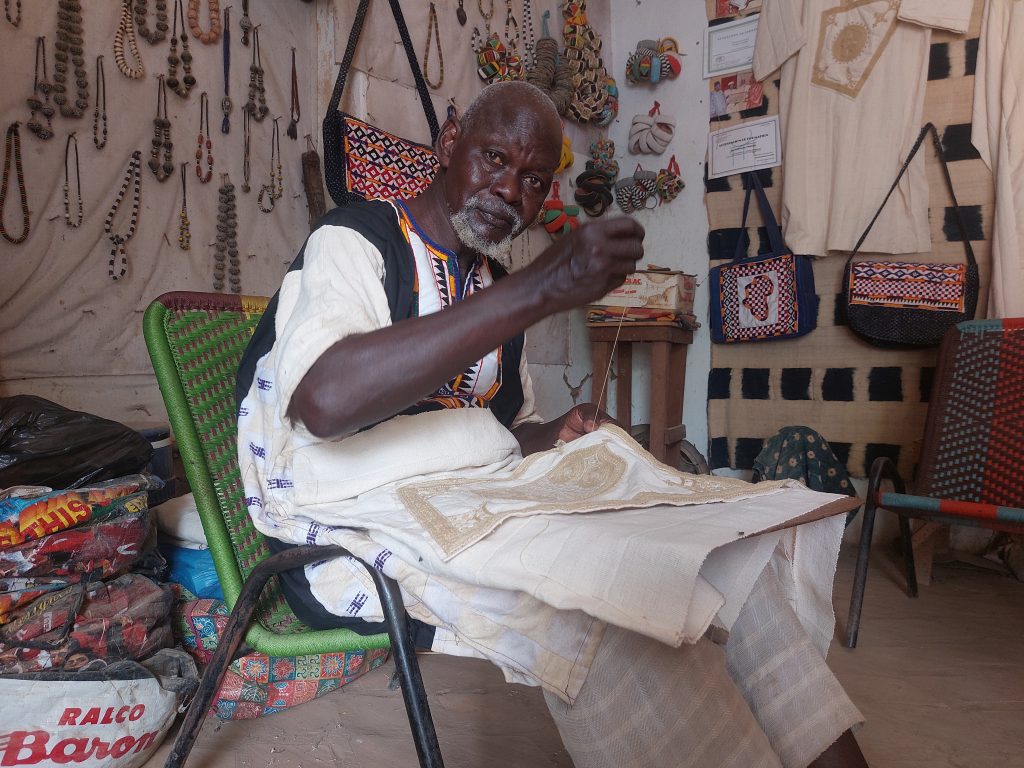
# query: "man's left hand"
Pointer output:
{"type": "Point", "coordinates": [580, 420]}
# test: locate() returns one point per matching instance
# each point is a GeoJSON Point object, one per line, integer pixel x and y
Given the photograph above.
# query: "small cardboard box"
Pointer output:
{"type": "Point", "coordinates": [654, 289]}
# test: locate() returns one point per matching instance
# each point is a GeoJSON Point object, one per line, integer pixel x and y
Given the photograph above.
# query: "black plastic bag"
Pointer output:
{"type": "Point", "coordinates": [43, 443]}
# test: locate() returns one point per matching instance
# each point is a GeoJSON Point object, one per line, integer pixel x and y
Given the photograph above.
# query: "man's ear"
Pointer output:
{"type": "Point", "coordinates": [446, 138]}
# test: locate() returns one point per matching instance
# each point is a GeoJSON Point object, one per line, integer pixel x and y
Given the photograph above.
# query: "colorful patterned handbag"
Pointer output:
{"type": "Point", "coordinates": [361, 160]}
{"type": "Point", "coordinates": [902, 303]}
{"type": "Point", "coordinates": [768, 296]}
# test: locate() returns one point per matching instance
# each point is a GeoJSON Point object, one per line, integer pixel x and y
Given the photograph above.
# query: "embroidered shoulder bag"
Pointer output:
{"type": "Point", "coordinates": [764, 297]}
{"type": "Point", "coordinates": [901, 303]}
{"type": "Point", "coordinates": [364, 161]}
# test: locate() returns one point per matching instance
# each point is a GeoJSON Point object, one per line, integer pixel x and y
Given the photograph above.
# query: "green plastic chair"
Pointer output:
{"type": "Point", "coordinates": [195, 341]}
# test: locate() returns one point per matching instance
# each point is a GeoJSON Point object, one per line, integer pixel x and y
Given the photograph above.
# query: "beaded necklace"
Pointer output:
{"type": "Point", "coordinates": [97, 113]}
{"type": "Point", "coordinates": [204, 114]}
{"type": "Point", "coordinates": [432, 26]}
{"type": "Point", "coordinates": [184, 234]}
{"type": "Point", "coordinates": [132, 178]}
{"type": "Point", "coordinates": [211, 36]}
{"type": "Point", "coordinates": [293, 110]}
{"type": "Point", "coordinates": [256, 88]}
{"type": "Point", "coordinates": [69, 46]}
{"type": "Point", "coordinates": [17, 13]}
{"type": "Point", "coordinates": [39, 101]}
{"type": "Point", "coordinates": [126, 32]}
{"type": "Point", "coordinates": [161, 136]}
{"type": "Point", "coordinates": [513, 63]}
{"type": "Point", "coordinates": [12, 147]}
{"type": "Point", "coordinates": [226, 247]}
{"type": "Point", "coordinates": [225, 103]}
{"type": "Point", "coordinates": [275, 188]}
{"type": "Point", "coordinates": [77, 222]}
{"type": "Point", "coordinates": [490, 12]}
{"type": "Point", "coordinates": [184, 86]}
{"type": "Point", "coordinates": [152, 36]}
{"type": "Point", "coordinates": [246, 146]}
{"type": "Point", "coordinates": [529, 39]}
{"type": "Point", "coordinates": [245, 24]}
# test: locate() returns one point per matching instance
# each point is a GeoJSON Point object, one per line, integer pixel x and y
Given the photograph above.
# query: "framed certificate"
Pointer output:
{"type": "Point", "coordinates": [748, 146]}
{"type": "Point", "coordinates": [729, 47]}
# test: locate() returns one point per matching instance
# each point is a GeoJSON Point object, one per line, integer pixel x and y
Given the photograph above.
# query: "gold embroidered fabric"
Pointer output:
{"type": "Point", "coordinates": [602, 472]}
{"type": "Point", "coordinates": [852, 38]}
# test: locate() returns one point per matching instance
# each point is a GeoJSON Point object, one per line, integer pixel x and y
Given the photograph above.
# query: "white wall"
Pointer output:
{"type": "Point", "coordinates": [676, 233]}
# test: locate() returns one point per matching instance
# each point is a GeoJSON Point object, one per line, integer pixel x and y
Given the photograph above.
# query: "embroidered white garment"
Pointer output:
{"type": "Point", "coordinates": [847, 64]}
{"type": "Point", "coordinates": [997, 130]}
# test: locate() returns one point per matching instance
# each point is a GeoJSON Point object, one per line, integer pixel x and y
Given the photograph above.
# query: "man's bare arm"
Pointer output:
{"type": "Point", "coordinates": [369, 377]}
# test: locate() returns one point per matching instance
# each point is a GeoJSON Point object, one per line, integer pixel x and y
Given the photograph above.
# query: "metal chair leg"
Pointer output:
{"type": "Point", "coordinates": [907, 543]}
{"type": "Point", "coordinates": [234, 632]}
{"type": "Point", "coordinates": [408, 668]}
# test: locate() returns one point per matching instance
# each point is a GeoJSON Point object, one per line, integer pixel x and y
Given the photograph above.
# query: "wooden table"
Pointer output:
{"type": "Point", "coordinates": [668, 377]}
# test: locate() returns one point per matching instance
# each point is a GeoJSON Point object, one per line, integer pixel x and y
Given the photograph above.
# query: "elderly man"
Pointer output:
{"type": "Point", "coordinates": [405, 308]}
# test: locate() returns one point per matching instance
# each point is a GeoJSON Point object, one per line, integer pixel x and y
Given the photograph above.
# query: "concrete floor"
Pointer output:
{"type": "Point", "coordinates": [940, 680]}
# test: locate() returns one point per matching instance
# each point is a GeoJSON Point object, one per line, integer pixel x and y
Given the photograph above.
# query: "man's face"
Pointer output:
{"type": "Point", "coordinates": [499, 174]}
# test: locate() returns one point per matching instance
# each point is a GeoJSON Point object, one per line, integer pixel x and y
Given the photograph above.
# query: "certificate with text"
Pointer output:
{"type": "Point", "coordinates": [729, 47]}
{"type": "Point", "coordinates": [749, 146]}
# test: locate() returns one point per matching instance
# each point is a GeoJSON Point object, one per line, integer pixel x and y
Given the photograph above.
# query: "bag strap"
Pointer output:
{"type": "Point", "coordinates": [767, 215]}
{"type": "Point", "coordinates": [949, 185]}
{"type": "Point", "coordinates": [350, 52]}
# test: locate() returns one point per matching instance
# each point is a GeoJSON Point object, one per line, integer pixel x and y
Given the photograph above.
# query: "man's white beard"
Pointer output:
{"type": "Point", "coordinates": [500, 251]}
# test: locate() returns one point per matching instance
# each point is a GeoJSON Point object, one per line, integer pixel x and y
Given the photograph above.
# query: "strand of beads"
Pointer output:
{"type": "Point", "coordinates": [257, 91]}
{"type": "Point", "coordinates": [69, 46]}
{"type": "Point", "coordinates": [161, 136]}
{"type": "Point", "coordinates": [184, 86]}
{"type": "Point", "coordinates": [118, 241]}
{"type": "Point", "coordinates": [184, 233]}
{"type": "Point", "coordinates": [39, 101]}
{"type": "Point", "coordinates": [151, 36]}
{"type": "Point", "coordinates": [204, 116]}
{"type": "Point", "coordinates": [76, 222]}
{"type": "Point", "coordinates": [226, 248]}
{"type": "Point", "coordinates": [12, 151]}
{"type": "Point", "coordinates": [213, 34]}
{"type": "Point", "coordinates": [126, 34]}
{"type": "Point", "coordinates": [100, 114]}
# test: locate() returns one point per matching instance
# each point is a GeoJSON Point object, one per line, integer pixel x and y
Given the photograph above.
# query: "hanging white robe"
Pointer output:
{"type": "Point", "coordinates": [998, 134]}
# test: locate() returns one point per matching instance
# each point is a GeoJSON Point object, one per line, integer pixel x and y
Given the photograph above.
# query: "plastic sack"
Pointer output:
{"type": "Point", "coordinates": [126, 618]}
{"type": "Point", "coordinates": [106, 716]}
{"type": "Point", "coordinates": [43, 443]}
{"type": "Point", "coordinates": [193, 569]}
{"type": "Point", "coordinates": [31, 515]}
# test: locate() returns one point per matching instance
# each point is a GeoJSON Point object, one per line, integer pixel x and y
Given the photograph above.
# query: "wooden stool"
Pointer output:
{"type": "Point", "coordinates": [668, 377]}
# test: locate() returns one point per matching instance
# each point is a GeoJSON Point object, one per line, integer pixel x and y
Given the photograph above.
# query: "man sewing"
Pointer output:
{"type": "Point", "coordinates": [404, 308]}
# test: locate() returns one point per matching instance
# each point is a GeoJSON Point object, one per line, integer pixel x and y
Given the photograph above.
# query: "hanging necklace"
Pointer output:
{"type": "Point", "coordinates": [246, 145]}
{"type": "Point", "coordinates": [161, 136]}
{"type": "Point", "coordinates": [490, 12]}
{"type": "Point", "coordinates": [256, 88]}
{"type": "Point", "coordinates": [213, 35]}
{"type": "Point", "coordinates": [77, 222]}
{"type": "Point", "coordinates": [184, 235]}
{"type": "Point", "coordinates": [293, 110]}
{"type": "Point", "coordinates": [204, 114]}
{"type": "Point", "coordinates": [12, 146]}
{"type": "Point", "coordinates": [152, 36]}
{"type": "Point", "coordinates": [132, 178]}
{"type": "Point", "coordinates": [126, 32]}
{"type": "Point", "coordinates": [184, 86]}
{"type": "Point", "coordinates": [97, 113]}
{"type": "Point", "coordinates": [226, 247]}
{"type": "Point", "coordinates": [39, 101]}
{"type": "Point", "coordinates": [17, 13]}
{"type": "Point", "coordinates": [513, 69]}
{"type": "Point", "coordinates": [529, 38]}
{"type": "Point", "coordinates": [432, 25]}
{"type": "Point", "coordinates": [275, 188]}
{"type": "Point", "coordinates": [225, 104]}
{"type": "Point", "coordinates": [69, 46]}
{"type": "Point", "coordinates": [460, 14]}
{"type": "Point", "coordinates": [245, 24]}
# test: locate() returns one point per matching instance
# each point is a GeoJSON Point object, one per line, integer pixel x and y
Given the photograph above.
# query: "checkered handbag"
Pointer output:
{"type": "Point", "coordinates": [910, 304]}
{"type": "Point", "coordinates": [765, 297]}
{"type": "Point", "coordinates": [363, 161]}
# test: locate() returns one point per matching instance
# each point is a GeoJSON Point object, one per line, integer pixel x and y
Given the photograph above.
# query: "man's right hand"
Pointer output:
{"type": "Point", "coordinates": [583, 266]}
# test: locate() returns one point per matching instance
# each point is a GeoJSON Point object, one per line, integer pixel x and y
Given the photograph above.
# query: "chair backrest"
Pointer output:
{"type": "Point", "coordinates": [196, 341]}
{"type": "Point", "coordinates": [973, 447]}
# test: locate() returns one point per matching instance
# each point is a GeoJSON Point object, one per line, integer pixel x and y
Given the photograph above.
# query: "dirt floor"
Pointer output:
{"type": "Point", "coordinates": [940, 680]}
